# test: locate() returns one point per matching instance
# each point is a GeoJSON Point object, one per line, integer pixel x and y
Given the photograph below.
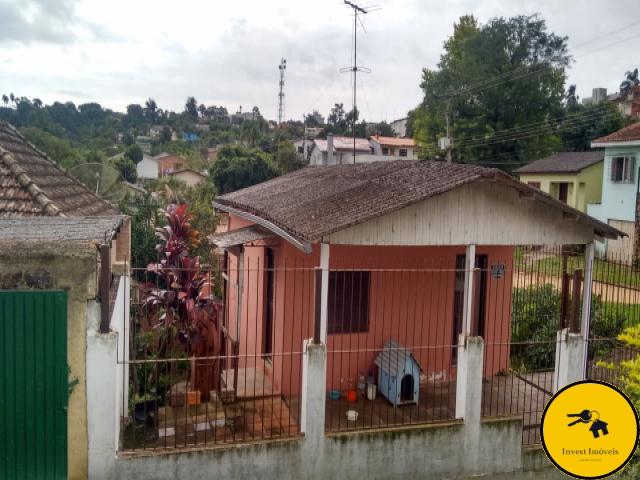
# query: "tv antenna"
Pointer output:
{"type": "Point", "coordinates": [357, 9]}
{"type": "Point", "coordinates": [282, 67]}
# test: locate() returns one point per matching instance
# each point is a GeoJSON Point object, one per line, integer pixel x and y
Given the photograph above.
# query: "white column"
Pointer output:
{"type": "Point", "coordinates": [587, 288]}
{"type": "Point", "coordinates": [570, 360]}
{"type": "Point", "coordinates": [469, 381]}
{"type": "Point", "coordinates": [468, 289]}
{"type": "Point", "coordinates": [324, 298]}
{"type": "Point", "coordinates": [463, 354]}
{"type": "Point", "coordinates": [315, 399]}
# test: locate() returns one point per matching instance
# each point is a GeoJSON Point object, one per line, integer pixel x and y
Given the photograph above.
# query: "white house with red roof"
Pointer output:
{"type": "Point", "coordinates": [403, 148]}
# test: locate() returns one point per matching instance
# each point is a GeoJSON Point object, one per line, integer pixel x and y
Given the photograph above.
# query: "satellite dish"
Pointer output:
{"type": "Point", "coordinates": [102, 180]}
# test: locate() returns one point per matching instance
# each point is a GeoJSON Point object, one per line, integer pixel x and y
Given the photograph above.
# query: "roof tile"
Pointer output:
{"type": "Point", "coordinates": [628, 134]}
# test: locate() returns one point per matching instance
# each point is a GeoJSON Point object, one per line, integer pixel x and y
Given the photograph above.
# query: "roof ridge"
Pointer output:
{"type": "Point", "coordinates": [37, 195]}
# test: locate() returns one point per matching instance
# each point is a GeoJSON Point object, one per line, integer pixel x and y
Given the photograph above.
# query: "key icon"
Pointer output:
{"type": "Point", "coordinates": [584, 417]}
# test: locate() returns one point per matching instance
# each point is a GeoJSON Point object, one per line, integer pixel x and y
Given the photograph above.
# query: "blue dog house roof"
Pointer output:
{"type": "Point", "coordinates": [393, 358]}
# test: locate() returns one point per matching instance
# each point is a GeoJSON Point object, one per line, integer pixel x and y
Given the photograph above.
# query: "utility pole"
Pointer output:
{"type": "Point", "coordinates": [445, 143]}
{"type": "Point", "coordinates": [282, 67]}
{"type": "Point", "coordinates": [354, 68]}
{"type": "Point", "coordinates": [448, 114]}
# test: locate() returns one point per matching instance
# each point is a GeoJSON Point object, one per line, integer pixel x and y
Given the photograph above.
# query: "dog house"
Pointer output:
{"type": "Point", "coordinates": [398, 374]}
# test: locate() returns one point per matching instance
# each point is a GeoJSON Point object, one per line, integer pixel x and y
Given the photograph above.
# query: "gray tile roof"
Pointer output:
{"type": "Point", "coordinates": [564, 162]}
{"type": "Point", "coordinates": [240, 236]}
{"type": "Point", "coordinates": [31, 184]}
{"type": "Point", "coordinates": [83, 229]}
{"type": "Point", "coordinates": [393, 358]}
{"type": "Point", "coordinates": [319, 200]}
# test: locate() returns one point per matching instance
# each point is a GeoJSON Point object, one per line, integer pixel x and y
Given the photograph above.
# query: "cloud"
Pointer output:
{"type": "Point", "coordinates": [47, 21]}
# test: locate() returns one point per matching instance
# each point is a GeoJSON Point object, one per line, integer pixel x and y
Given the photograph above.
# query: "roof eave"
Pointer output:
{"type": "Point", "coordinates": [628, 143]}
{"type": "Point", "coordinates": [305, 247]}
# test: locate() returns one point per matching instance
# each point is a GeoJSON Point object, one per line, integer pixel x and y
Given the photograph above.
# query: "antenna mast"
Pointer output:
{"type": "Point", "coordinates": [282, 67]}
{"type": "Point", "coordinates": [354, 68]}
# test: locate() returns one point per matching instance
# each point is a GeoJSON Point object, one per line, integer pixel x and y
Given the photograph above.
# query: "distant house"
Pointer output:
{"type": "Point", "coordinates": [574, 178]}
{"type": "Point", "coordinates": [629, 103]}
{"type": "Point", "coordinates": [169, 163]}
{"type": "Point", "coordinates": [187, 175]}
{"type": "Point", "coordinates": [338, 150]}
{"type": "Point", "coordinates": [144, 143]}
{"type": "Point", "coordinates": [399, 127]}
{"type": "Point", "coordinates": [405, 148]}
{"type": "Point", "coordinates": [155, 131]}
{"type": "Point", "coordinates": [191, 137]}
{"type": "Point", "coordinates": [619, 206]}
{"type": "Point", "coordinates": [147, 168]}
{"type": "Point", "coordinates": [212, 154]}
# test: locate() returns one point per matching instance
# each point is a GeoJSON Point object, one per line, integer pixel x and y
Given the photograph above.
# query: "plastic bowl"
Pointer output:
{"type": "Point", "coordinates": [352, 415]}
{"type": "Point", "coordinates": [351, 395]}
{"type": "Point", "coordinates": [334, 394]}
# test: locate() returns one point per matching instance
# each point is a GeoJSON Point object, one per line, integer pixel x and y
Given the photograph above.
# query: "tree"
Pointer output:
{"type": "Point", "coordinates": [256, 112]}
{"type": "Point", "coordinates": [127, 139]}
{"type": "Point", "coordinates": [202, 109]}
{"type": "Point", "coordinates": [630, 81]}
{"type": "Point", "coordinates": [238, 167]}
{"type": "Point", "coordinates": [250, 132]}
{"type": "Point", "coordinates": [191, 107]}
{"type": "Point", "coordinates": [337, 114]}
{"type": "Point", "coordinates": [165, 135]}
{"type": "Point", "coordinates": [311, 121]}
{"type": "Point", "coordinates": [383, 129]}
{"type": "Point", "coordinates": [5, 99]}
{"type": "Point", "coordinates": [37, 103]}
{"type": "Point", "coordinates": [134, 117]}
{"type": "Point", "coordinates": [200, 198]}
{"type": "Point", "coordinates": [287, 159]}
{"type": "Point", "coordinates": [127, 169]}
{"type": "Point", "coordinates": [504, 75]}
{"type": "Point", "coordinates": [576, 134]}
{"type": "Point", "coordinates": [12, 97]}
{"type": "Point", "coordinates": [134, 153]}
{"type": "Point", "coordinates": [150, 111]}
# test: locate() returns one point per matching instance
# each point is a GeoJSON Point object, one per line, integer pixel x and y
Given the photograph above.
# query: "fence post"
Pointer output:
{"type": "Point", "coordinates": [469, 381]}
{"type": "Point", "coordinates": [564, 293]}
{"type": "Point", "coordinates": [589, 255]}
{"type": "Point", "coordinates": [324, 295]}
{"type": "Point", "coordinates": [575, 301]}
{"type": "Point", "coordinates": [316, 394]}
{"type": "Point", "coordinates": [569, 359]}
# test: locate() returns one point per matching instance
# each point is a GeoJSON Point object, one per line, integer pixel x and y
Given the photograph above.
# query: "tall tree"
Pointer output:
{"type": "Point", "coordinates": [5, 99]}
{"type": "Point", "coordinates": [134, 153]}
{"type": "Point", "coordinates": [37, 103]}
{"type": "Point", "coordinates": [191, 107]}
{"type": "Point", "coordinates": [496, 78]}
{"type": "Point", "coordinates": [631, 79]}
{"type": "Point", "coordinates": [238, 167]}
{"type": "Point", "coordinates": [256, 112]}
{"type": "Point", "coordinates": [12, 97]}
{"type": "Point", "coordinates": [202, 109]}
{"type": "Point", "coordinates": [287, 159]}
{"type": "Point", "coordinates": [150, 111]}
{"type": "Point", "coordinates": [134, 117]}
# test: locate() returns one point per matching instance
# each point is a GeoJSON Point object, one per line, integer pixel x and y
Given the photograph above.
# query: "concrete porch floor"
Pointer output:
{"type": "Point", "coordinates": [504, 395]}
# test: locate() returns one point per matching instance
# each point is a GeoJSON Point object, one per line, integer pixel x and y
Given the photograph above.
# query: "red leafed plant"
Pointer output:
{"type": "Point", "coordinates": [181, 308]}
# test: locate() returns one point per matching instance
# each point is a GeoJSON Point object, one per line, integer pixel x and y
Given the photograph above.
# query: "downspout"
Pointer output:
{"type": "Point", "coordinates": [105, 287]}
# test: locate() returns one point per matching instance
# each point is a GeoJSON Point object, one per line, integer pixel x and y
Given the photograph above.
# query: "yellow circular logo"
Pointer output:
{"type": "Point", "coordinates": [589, 429]}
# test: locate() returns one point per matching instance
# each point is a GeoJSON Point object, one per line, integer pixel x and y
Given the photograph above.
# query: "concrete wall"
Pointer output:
{"type": "Point", "coordinates": [584, 187]}
{"type": "Point", "coordinates": [147, 168]}
{"type": "Point", "coordinates": [68, 266]}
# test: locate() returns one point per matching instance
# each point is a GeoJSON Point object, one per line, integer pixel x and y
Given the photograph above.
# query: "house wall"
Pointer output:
{"type": "Point", "coordinates": [377, 150]}
{"type": "Point", "coordinates": [618, 199]}
{"type": "Point", "coordinates": [584, 187]}
{"type": "Point", "coordinates": [147, 168]}
{"type": "Point", "coordinates": [69, 266]}
{"type": "Point", "coordinates": [413, 308]}
{"type": "Point", "coordinates": [188, 177]}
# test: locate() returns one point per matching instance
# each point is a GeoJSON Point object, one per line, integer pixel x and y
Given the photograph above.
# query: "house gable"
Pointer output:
{"type": "Point", "coordinates": [483, 213]}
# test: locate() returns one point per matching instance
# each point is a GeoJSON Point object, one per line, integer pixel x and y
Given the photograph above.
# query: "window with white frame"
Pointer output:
{"type": "Point", "coordinates": [621, 169]}
{"type": "Point", "coordinates": [403, 152]}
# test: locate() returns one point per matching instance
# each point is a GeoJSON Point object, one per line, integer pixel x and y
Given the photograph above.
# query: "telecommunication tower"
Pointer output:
{"type": "Point", "coordinates": [282, 67]}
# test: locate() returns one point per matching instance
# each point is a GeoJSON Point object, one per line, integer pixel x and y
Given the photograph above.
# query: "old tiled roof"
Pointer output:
{"type": "Point", "coordinates": [240, 236]}
{"type": "Point", "coordinates": [394, 142]}
{"type": "Point", "coordinates": [628, 134]}
{"type": "Point", "coordinates": [344, 143]}
{"type": "Point", "coordinates": [84, 229]}
{"type": "Point", "coordinates": [31, 184]}
{"type": "Point", "coordinates": [564, 162]}
{"type": "Point", "coordinates": [319, 200]}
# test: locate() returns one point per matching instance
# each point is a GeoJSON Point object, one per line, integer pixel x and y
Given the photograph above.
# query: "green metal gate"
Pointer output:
{"type": "Point", "coordinates": [33, 384]}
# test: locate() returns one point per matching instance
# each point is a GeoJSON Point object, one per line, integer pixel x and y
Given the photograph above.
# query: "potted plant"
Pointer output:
{"type": "Point", "coordinates": [178, 308]}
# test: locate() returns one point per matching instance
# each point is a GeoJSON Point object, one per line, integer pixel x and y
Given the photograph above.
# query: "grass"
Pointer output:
{"type": "Point", "coordinates": [603, 271]}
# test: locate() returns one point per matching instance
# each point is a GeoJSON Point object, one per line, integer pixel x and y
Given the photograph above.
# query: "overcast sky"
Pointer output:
{"type": "Point", "coordinates": [227, 53]}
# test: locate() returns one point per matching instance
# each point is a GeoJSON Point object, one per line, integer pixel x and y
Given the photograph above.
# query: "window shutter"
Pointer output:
{"type": "Point", "coordinates": [632, 168]}
{"type": "Point", "coordinates": [611, 164]}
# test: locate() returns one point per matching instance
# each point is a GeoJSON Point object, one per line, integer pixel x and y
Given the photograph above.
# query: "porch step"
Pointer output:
{"type": "Point", "coordinates": [252, 383]}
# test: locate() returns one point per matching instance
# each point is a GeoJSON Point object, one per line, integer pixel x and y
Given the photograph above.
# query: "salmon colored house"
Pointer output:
{"type": "Point", "coordinates": [357, 255]}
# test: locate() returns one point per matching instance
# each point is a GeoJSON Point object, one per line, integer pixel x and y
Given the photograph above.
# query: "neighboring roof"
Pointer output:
{"type": "Point", "coordinates": [160, 155]}
{"type": "Point", "coordinates": [394, 141]}
{"type": "Point", "coordinates": [183, 170]}
{"type": "Point", "coordinates": [149, 158]}
{"type": "Point", "coordinates": [240, 236]}
{"type": "Point", "coordinates": [344, 143]}
{"type": "Point", "coordinates": [316, 201]}
{"type": "Point", "coordinates": [393, 358]}
{"type": "Point", "coordinates": [169, 159]}
{"type": "Point", "coordinates": [628, 134]}
{"type": "Point", "coordinates": [564, 162]}
{"type": "Point", "coordinates": [31, 184]}
{"type": "Point", "coordinates": [84, 229]}
{"type": "Point", "coordinates": [135, 187]}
